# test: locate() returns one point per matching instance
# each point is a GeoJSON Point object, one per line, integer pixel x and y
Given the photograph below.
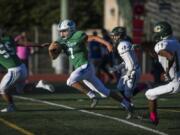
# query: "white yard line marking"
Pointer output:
{"type": "Point", "coordinates": [170, 110]}
{"type": "Point", "coordinates": [95, 114]}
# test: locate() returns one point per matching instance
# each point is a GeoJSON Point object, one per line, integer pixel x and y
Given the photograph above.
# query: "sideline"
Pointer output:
{"type": "Point", "coordinates": [21, 130]}
{"type": "Point", "coordinates": [95, 114]}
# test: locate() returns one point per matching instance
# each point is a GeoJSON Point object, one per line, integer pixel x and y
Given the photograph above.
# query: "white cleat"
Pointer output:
{"type": "Point", "coordinates": [44, 85]}
{"type": "Point", "coordinates": [10, 108]}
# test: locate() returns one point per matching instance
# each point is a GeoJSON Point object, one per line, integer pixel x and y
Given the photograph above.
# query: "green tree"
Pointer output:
{"type": "Point", "coordinates": [87, 13]}
{"type": "Point", "coordinates": [17, 15]}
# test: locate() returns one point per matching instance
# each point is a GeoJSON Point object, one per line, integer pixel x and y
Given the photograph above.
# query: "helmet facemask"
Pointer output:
{"type": "Point", "coordinates": [64, 34]}
{"type": "Point", "coordinates": [118, 34]}
{"type": "Point", "coordinates": [116, 39]}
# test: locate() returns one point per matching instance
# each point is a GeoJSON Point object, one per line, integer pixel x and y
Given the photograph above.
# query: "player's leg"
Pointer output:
{"type": "Point", "coordinates": [87, 91]}
{"type": "Point", "coordinates": [12, 78]}
{"type": "Point", "coordinates": [76, 81]}
{"type": "Point", "coordinates": [152, 104]}
{"type": "Point", "coordinates": [116, 96]}
{"type": "Point", "coordinates": [88, 84]}
{"type": "Point", "coordinates": [6, 84]}
{"type": "Point", "coordinates": [153, 94]}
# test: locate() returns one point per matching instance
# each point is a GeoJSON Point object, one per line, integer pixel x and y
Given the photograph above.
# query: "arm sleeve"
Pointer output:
{"type": "Point", "coordinates": [162, 45]}
{"type": "Point", "coordinates": [124, 50]}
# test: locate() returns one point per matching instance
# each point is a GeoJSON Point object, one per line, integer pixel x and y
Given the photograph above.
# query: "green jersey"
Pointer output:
{"type": "Point", "coordinates": [76, 48]}
{"type": "Point", "coordinates": [8, 57]}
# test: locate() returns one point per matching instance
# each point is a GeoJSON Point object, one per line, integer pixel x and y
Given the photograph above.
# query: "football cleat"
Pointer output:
{"type": "Point", "coordinates": [44, 85]}
{"type": "Point", "coordinates": [94, 102]}
{"type": "Point", "coordinates": [10, 108]}
{"type": "Point", "coordinates": [128, 107]}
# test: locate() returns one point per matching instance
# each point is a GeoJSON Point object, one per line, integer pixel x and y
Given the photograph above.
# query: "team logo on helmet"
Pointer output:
{"type": "Point", "coordinates": [157, 29]}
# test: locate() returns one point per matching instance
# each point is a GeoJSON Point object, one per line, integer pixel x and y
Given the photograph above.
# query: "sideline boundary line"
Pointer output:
{"type": "Point", "coordinates": [95, 114]}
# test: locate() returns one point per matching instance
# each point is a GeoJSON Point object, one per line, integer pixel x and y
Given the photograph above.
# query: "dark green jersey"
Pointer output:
{"type": "Point", "coordinates": [8, 57]}
{"type": "Point", "coordinates": [76, 48]}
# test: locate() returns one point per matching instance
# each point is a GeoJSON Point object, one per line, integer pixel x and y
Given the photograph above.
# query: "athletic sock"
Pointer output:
{"type": "Point", "coordinates": [153, 116]}
{"type": "Point", "coordinates": [91, 94]}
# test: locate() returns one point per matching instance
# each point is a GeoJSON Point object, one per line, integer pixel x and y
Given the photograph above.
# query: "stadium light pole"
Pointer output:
{"type": "Point", "coordinates": [63, 9]}
{"type": "Point", "coordinates": [61, 63]}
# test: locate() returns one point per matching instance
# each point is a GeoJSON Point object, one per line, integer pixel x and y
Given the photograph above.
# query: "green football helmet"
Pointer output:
{"type": "Point", "coordinates": [117, 34]}
{"type": "Point", "coordinates": [162, 30]}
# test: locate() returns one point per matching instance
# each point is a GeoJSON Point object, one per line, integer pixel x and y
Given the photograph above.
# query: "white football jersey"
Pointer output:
{"type": "Point", "coordinates": [173, 46]}
{"type": "Point", "coordinates": [127, 53]}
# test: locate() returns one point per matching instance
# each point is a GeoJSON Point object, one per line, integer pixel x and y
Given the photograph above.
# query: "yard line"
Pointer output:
{"type": "Point", "coordinates": [21, 130]}
{"type": "Point", "coordinates": [170, 110]}
{"type": "Point", "coordinates": [95, 114]}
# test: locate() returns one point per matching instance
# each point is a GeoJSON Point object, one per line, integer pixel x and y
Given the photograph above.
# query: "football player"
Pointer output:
{"type": "Point", "coordinates": [15, 76]}
{"type": "Point", "coordinates": [130, 69]}
{"type": "Point", "coordinates": [168, 51]}
{"type": "Point", "coordinates": [75, 43]}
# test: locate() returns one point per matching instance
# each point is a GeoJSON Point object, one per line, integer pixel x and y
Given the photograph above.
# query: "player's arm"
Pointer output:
{"type": "Point", "coordinates": [170, 57]}
{"type": "Point", "coordinates": [127, 57]}
{"type": "Point", "coordinates": [101, 41]}
{"type": "Point", "coordinates": [54, 50]}
{"type": "Point", "coordinates": [30, 44]}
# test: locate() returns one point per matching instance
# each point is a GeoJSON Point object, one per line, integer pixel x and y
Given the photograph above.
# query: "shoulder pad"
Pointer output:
{"type": "Point", "coordinates": [123, 47]}
{"type": "Point", "coordinates": [162, 45]}
{"type": "Point", "coordinates": [78, 35]}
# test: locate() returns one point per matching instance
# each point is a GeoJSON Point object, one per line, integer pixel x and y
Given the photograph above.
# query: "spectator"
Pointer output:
{"type": "Point", "coordinates": [23, 51]}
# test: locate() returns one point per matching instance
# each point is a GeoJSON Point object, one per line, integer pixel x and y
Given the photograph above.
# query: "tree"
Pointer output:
{"type": "Point", "coordinates": [18, 15]}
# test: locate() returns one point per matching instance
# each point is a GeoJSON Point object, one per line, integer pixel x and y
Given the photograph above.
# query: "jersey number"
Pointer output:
{"type": "Point", "coordinates": [6, 50]}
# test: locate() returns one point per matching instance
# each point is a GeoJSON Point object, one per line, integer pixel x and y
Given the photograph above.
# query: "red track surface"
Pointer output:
{"type": "Point", "coordinates": [63, 78]}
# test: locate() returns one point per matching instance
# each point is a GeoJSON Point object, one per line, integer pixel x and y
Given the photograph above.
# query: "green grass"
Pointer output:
{"type": "Point", "coordinates": [43, 119]}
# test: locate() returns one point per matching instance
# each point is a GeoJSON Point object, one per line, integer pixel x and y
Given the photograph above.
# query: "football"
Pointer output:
{"type": "Point", "coordinates": [54, 49]}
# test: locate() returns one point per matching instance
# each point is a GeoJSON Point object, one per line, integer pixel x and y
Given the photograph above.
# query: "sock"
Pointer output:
{"type": "Point", "coordinates": [153, 116]}
{"type": "Point", "coordinates": [125, 103]}
{"type": "Point", "coordinates": [91, 94]}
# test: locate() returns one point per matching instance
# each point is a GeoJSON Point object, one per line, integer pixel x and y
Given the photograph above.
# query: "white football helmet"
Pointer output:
{"type": "Point", "coordinates": [67, 25]}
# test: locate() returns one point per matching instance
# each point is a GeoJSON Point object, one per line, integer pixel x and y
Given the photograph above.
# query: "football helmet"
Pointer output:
{"type": "Point", "coordinates": [68, 26]}
{"type": "Point", "coordinates": [161, 31]}
{"type": "Point", "coordinates": [117, 34]}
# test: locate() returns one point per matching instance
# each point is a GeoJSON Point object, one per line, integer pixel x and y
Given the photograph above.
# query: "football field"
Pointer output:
{"type": "Point", "coordinates": [65, 112]}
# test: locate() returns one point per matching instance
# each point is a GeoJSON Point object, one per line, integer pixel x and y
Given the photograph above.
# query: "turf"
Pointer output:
{"type": "Point", "coordinates": [43, 119]}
